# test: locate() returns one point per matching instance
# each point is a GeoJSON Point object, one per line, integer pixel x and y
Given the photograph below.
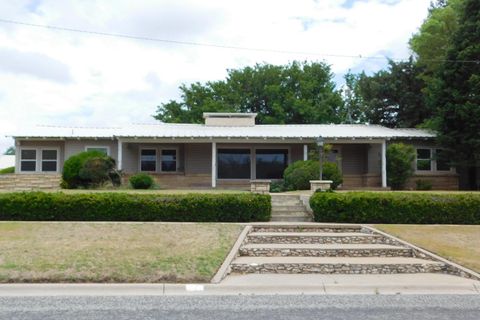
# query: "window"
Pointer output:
{"type": "Point", "coordinates": [28, 160]}
{"type": "Point", "coordinates": [233, 163]}
{"type": "Point", "coordinates": [169, 160]}
{"type": "Point", "coordinates": [49, 160]}
{"type": "Point", "coordinates": [148, 160]}
{"type": "Point", "coordinates": [424, 160]}
{"type": "Point", "coordinates": [105, 150]}
{"type": "Point", "coordinates": [442, 161]}
{"type": "Point", "coordinates": [270, 163]}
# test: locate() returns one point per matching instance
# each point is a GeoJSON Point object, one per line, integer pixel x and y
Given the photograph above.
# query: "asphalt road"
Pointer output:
{"type": "Point", "coordinates": [412, 307]}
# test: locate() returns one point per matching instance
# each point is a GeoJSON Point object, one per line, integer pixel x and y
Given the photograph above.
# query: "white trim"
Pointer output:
{"type": "Point", "coordinates": [433, 161]}
{"type": "Point", "coordinates": [38, 159]}
{"type": "Point", "coordinates": [119, 155]}
{"type": "Point", "coordinates": [98, 147]}
{"type": "Point", "coordinates": [214, 164]}
{"type": "Point", "coordinates": [384, 164]}
{"type": "Point", "coordinates": [305, 152]}
{"type": "Point", "coordinates": [176, 158]}
{"type": "Point", "coordinates": [140, 159]}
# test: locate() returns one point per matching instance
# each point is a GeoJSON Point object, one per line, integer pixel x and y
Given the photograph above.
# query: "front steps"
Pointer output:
{"type": "Point", "coordinates": [328, 249]}
{"type": "Point", "coordinates": [289, 208]}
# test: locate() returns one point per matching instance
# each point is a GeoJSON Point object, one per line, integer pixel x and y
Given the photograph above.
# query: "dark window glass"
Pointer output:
{"type": "Point", "coordinates": [148, 160]}
{"type": "Point", "coordinates": [49, 155]}
{"type": "Point", "coordinates": [169, 160]}
{"type": "Point", "coordinates": [233, 163]}
{"type": "Point", "coordinates": [29, 154]}
{"type": "Point", "coordinates": [442, 161]}
{"type": "Point", "coordinates": [424, 162]}
{"type": "Point", "coordinates": [28, 166]}
{"type": "Point", "coordinates": [270, 163]}
{"type": "Point", "coordinates": [49, 165]}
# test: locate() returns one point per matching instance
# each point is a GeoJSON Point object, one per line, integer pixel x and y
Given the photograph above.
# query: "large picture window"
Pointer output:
{"type": "Point", "coordinates": [49, 160]}
{"type": "Point", "coordinates": [148, 160]}
{"type": "Point", "coordinates": [270, 163]}
{"type": "Point", "coordinates": [169, 160]}
{"type": "Point", "coordinates": [233, 163]}
{"type": "Point", "coordinates": [28, 160]}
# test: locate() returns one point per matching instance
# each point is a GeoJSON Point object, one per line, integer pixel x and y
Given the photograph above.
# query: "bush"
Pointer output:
{"type": "Point", "coordinates": [40, 206]}
{"type": "Point", "coordinates": [423, 184]}
{"type": "Point", "coordinates": [141, 181]}
{"type": "Point", "coordinates": [277, 186]}
{"type": "Point", "coordinates": [89, 169]}
{"type": "Point", "coordinates": [400, 159]}
{"type": "Point", "coordinates": [298, 175]}
{"type": "Point", "coordinates": [7, 170]}
{"type": "Point", "coordinates": [391, 207]}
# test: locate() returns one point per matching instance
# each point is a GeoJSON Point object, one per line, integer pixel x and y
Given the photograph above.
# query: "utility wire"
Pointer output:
{"type": "Point", "coordinates": [218, 46]}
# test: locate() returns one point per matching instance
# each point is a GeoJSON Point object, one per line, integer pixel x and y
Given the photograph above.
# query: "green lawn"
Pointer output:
{"type": "Point", "coordinates": [460, 244]}
{"type": "Point", "coordinates": [113, 252]}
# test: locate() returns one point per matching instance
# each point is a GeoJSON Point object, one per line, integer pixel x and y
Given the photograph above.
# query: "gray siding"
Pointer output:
{"type": "Point", "coordinates": [131, 155]}
{"type": "Point", "coordinates": [198, 158]}
{"type": "Point", "coordinates": [76, 146]}
{"type": "Point", "coordinates": [354, 158]}
{"type": "Point", "coordinates": [374, 158]}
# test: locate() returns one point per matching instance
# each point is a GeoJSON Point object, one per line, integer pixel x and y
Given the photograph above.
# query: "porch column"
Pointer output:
{"type": "Point", "coordinates": [120, 155]}
{"type": "Point", "coordinates": [384, 164]}
{"type": "Point", "coordinates": [305, 152]}
{"type": "Point", "coordinates": [214, 164]}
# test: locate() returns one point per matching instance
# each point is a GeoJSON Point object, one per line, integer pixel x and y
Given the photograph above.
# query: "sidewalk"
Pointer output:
{"type": "Point", "coordinates": [265, 284]}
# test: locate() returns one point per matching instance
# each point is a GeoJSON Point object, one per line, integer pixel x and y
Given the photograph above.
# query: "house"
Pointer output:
{"type": "Point", "coordinates": [228, 150]}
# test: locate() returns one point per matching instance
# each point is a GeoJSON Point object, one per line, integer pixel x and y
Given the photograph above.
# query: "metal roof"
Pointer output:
{"type": "Point", "coordinates": [167, 130]}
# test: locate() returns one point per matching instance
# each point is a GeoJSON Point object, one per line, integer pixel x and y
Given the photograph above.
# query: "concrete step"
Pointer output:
{"type": "Point", "coordinates": [335, 265]}
{"type": "Point", "coordinates": [317, 237]}
{"type": "Point", "coordinates": [288, 208]}
{"type": "Point", "coordinates": [290, 213]}
{"type": "Point", "coordinates": [291, 218]}
{"type": "Point", "coordinates": [306, 228]}
{"type": "Point", "coordinates": [324, 250]}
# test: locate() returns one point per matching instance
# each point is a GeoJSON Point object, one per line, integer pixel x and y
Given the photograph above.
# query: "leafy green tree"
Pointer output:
{"type": "Point", "coordinates": [294, 93]}
{"type": "Point", "coordinates": [393, 97]}
{"type": "Point", "coordinates": [10, 151]}
{"type": "Point", "coordinates": [458, 93]}
{"type": "Point", "coordinates": [431, 43]}
{"type": "Point", "coordinates": [353, 110]}
{"type": "Point", "coordinates": [400, 159]}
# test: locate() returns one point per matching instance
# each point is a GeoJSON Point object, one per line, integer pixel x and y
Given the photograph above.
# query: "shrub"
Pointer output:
{"type": "Point", "coordinates": [40, 206]}
{"type": "Point", "coordinates": [7, 170]}
{"type": "Point", "coordinates": [141, 181]}
{"type": "Point", "coordinates": [391, 207]}
{"type": "Point", "coordinates": [277, 186]}
{"type": "Point", "coordinates": [89, 169]}
{"type": "Point", "coordinates": [399, 164]}
{"type": "Point", "coordinates": [298, 174]}
{"type": "Point", "coordinates": [423, 184]}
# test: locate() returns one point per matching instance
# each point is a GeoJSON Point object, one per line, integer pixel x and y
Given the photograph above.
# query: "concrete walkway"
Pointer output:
{"type": "Point", "coordinates": [265, 284]}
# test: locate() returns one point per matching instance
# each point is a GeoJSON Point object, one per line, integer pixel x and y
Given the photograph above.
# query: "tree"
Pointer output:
{"type": "Point", "coordinates": [458, 93]}
{"type": "Point", "coordinates": [393, 97]}
{"type": "Point", "coordinates": [293, 93]}
{"type": "Point", "coordinates": [431, 43]}
{"type": "Point", "coordinates": [399, 164]}
{"type": "Point", "coordinates": [353, 110]}
{"type": "Point", "coordinates": [10, 151]}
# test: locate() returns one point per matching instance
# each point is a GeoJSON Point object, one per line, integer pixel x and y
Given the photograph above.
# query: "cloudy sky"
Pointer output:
{"type": "Point", "coordinates": [67, 78]}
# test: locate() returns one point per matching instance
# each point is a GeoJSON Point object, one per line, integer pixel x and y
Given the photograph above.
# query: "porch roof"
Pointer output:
{"type": "Point", "coordinates": [167, 130]}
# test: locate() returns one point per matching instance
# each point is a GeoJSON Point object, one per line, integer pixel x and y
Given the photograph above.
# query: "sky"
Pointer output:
{"type": "Point", "coordinates": [52, 77]}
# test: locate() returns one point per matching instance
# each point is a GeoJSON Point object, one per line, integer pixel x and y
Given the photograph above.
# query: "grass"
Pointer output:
{"type": "Point", "coordinates": [460, 244]}
{"type": "Point", "coordinates": [113, 252]}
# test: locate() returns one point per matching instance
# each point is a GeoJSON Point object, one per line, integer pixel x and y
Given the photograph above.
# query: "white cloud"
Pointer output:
{"type": "Point", "coordinates": [60, 77]}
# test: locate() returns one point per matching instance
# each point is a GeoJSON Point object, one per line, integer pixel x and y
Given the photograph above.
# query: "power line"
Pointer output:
{"type": "Point", "coordinates": [218, 46]}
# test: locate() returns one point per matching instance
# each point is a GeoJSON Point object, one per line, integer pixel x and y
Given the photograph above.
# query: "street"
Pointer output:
{"type": "Point", "coordinates": [242, 307]}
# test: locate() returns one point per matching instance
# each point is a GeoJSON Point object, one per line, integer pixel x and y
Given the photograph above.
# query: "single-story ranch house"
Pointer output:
{"type": "Point", "coordinates": [227, 151]}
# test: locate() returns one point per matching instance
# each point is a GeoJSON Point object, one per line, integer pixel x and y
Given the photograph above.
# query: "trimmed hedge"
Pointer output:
{"type": "Point", "coordinates": [40, 206]}
{"type": "Point", "coordinates": [390, 207]}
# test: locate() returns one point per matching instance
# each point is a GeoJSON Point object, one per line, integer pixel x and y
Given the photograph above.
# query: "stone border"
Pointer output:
{"type": "Point", "coordinates": [462, 271]}
{"type": "Point", "coordinates": [225, 267]}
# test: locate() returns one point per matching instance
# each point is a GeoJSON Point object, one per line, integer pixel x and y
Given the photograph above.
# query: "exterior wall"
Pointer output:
{"type": "Point", "coordinates": [198, 159]}
{"type": "Point", "coordinates": [354, 159]}
{"type": "Point", "coordinates": [131, 156]}
{"type": "Point", "coordinates": [438, 181]}
{"type": "Point", "coordinates": [73, 147]}
{"type": "Point", "coordinates": [24, 181]}
{"type": "Point", "coordinates": [230, 121]}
